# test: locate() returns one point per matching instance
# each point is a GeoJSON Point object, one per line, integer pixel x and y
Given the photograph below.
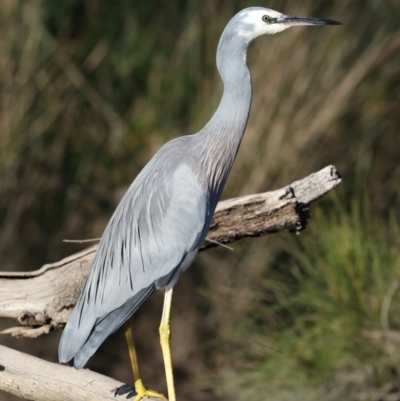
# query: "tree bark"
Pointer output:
{"type": "Point", "coordinates": [35, 379]}
{"type": "Point", "coordinates": [43, 300]}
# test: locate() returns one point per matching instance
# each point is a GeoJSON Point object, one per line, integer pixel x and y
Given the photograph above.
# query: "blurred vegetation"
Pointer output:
{"type": "Point", "coordinates": [89, 90]}
{"type": "Point", "coordinates": [324, 323]}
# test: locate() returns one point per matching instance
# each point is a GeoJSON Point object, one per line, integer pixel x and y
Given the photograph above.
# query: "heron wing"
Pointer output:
{"type": "Point", "coordinates": [160, 223]}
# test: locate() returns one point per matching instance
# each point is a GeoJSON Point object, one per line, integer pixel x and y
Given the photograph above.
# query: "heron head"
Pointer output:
{"type": "Point", "coordinates": [256, 21]}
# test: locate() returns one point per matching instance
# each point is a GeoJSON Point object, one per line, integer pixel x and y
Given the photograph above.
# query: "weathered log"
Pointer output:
{"type": "Point", "coordinates": [42, 300]}
{"type": "Point", "coordinates": [35, 379]}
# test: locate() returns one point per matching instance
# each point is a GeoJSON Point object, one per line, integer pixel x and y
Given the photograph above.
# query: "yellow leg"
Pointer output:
{"type": "Point", "coordinates": [140, 388]}
{"type": "Point", "coordinates": [165, 337]}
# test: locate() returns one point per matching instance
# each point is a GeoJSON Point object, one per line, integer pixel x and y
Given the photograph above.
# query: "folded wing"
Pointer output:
{"type": "Point", "coordinates": [154, 234]}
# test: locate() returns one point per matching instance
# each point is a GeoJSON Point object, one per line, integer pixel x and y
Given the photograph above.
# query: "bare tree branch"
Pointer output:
{"type": "Point", "coordinates": [35, 379]}
{"type": "Point", "coordinates": [42, 300]}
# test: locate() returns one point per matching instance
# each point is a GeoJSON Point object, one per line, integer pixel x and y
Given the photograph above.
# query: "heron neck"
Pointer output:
{"type": "Point", "coordinates": [221, 137]}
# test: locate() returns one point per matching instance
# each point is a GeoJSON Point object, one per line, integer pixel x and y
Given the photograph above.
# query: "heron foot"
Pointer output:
{"type": "Point", "coordinates": [139, 391]}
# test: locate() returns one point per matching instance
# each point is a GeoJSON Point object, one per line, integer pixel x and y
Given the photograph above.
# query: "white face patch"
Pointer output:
{"type": "Point", "coordinates": [254, 26]}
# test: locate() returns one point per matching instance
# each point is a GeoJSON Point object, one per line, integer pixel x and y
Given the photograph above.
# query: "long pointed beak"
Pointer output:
{"type": "Point", "coordinates": [293, 21]}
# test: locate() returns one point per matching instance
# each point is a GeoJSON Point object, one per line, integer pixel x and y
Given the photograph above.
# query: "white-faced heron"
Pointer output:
{"type": "Point", "coordinates": [163, 219]}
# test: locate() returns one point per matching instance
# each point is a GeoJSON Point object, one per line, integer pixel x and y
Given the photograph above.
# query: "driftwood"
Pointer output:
{"type": "Point", "coordinates": [35, 379]}
{"type": "Point", "coordinates": [42, 300]}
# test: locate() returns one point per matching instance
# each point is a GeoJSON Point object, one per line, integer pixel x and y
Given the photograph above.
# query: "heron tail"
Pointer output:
{"type": "Point", "coordinates": [80, 341]}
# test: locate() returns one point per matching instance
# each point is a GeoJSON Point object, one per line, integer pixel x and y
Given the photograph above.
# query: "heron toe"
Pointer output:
{"type": "Point", "coordinates": [139, 391]}
{"type": "Point", "coordinates": [125, 389]}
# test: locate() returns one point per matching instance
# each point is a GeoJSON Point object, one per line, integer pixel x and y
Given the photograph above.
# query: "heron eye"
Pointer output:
{"type": "Point", "coordinates": [267, 19]}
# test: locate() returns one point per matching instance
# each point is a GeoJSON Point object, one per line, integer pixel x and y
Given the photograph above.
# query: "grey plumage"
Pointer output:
{"type": "Point", "coordinates": [163, 219]}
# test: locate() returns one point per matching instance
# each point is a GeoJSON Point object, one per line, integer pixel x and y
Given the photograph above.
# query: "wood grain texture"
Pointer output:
{"type": "Point", "coordinates": [34, 379]}
{"type": "Point", "coordinates": [43, 300]}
